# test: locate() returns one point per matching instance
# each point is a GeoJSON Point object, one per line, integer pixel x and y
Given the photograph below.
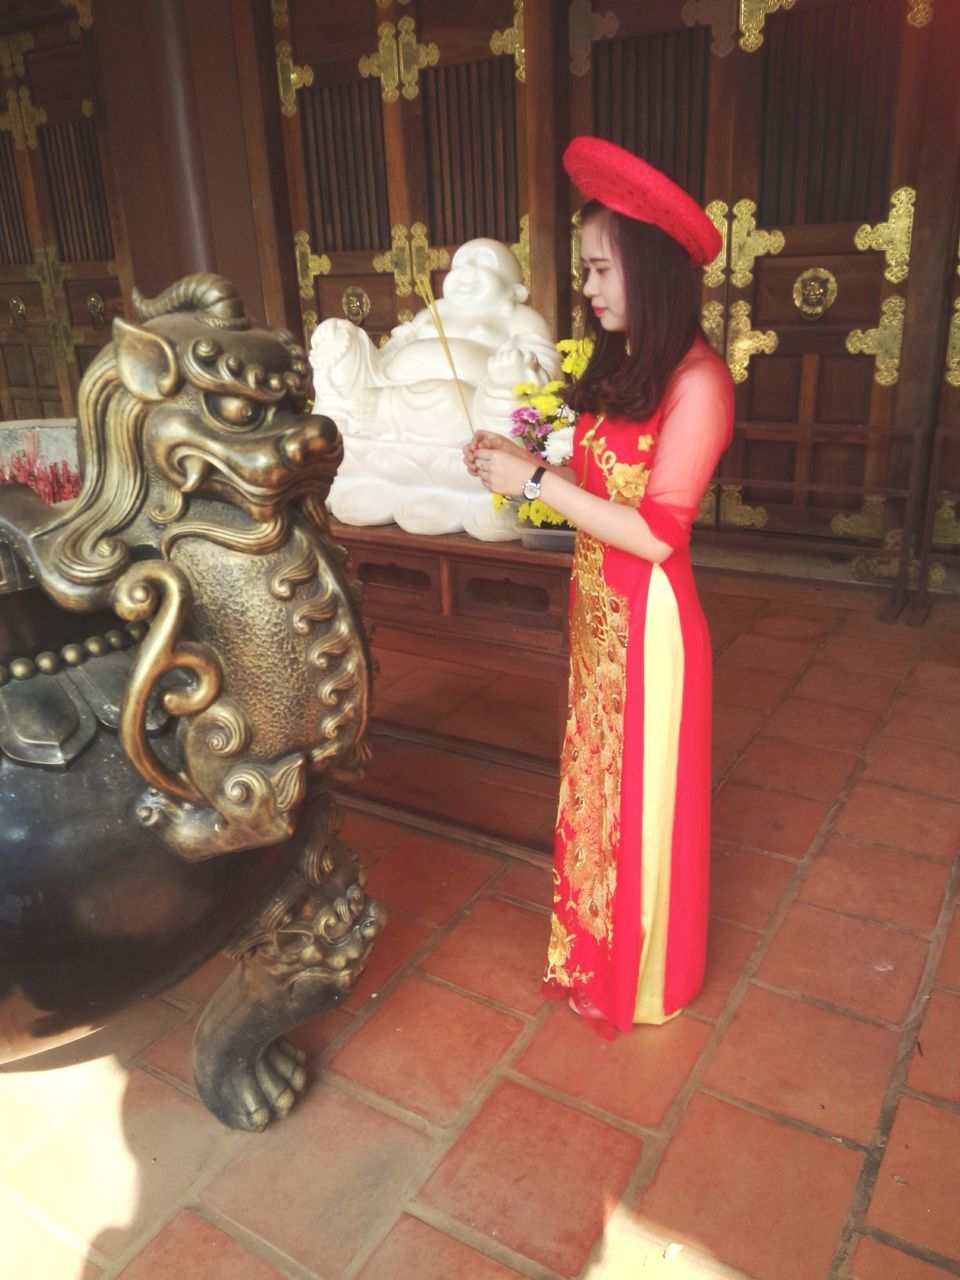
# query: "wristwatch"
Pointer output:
{"type": "Point", "coordinates": [531, 489]}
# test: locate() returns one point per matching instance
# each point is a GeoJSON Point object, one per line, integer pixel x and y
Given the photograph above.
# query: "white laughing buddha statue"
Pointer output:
{"type": "Point", "coordinates": [401, 413]}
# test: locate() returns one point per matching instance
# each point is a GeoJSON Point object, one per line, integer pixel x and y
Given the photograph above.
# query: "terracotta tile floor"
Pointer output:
{"type": "Point", "coordinates": [801, 1121]}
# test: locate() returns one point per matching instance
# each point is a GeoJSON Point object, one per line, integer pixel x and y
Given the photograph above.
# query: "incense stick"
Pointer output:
{"type": "Point", "coordinates": [423, 288]}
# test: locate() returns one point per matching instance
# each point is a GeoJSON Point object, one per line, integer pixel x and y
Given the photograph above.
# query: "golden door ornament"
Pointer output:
{"type": "Point", "coordinates": [510, 42]}
{"type": "Point", "coordinates": [814, 292]}
{"type": "Point", "coordinates": [946, 526]}
{"type": "Point", "coordinates": [309, 320]}
{"type": "Point", "coordinates": [423, 258]}
{"type": "Point", "coordinates": [50, 274]}
{"type": "Point", "coordinates": [711, 320]}
{"type": "Point", "coordinates": [893, 237]}
{"type": "Point", "coordinates": [952, 374]}
{"type": "Point", "coordinates": [884, 342]}
{"type": "Point", "coordinates": [743, 343]}
{"type": "Point", "coordinates": [586, 27]}
{"type": "Point", "coordinates": [84, 10]}
{"type": "Point", "coordinates": [397, 260]}
{"type": "Point", "coordinates": [747, 243]}
{"type": "Point", "coordinates": [96, 310]}
{"type": "Point", "coordinates": [753, 14]}
{"type": "Point", "coordinates": [881, 568]}
{"type": "Point", "coordinates": [21, 119]}
{"type": "Point", "coordinates": [717, 212]}
{"type": "Point", "coordinates": [18, 312]}
{"type": "Point", "coordinates": [707, 511]}
{"type": "Point", "coordinates": [576, 268]}
{"type": "Point", "coordinates": [919, 12]}
{"type": "Point", "coordinates": [281, 17]}
{"type": "Point", "coordinates": [399, 59]}
{"type": "Point", "coordinates": [735, 512]}
{"type": "Point", "coordinates": [865, 523]}
{"type": "Point", "coordinates": [521, 250]}
{"type": "Point", "coordinates": [720, 16]}
{"type": "Point", "coordinates": [290, 78]}
{"type": "Point", "coordinates": [355, 303]}
{"type": "Point", "coordinates": [12, 49]}
{"type": "Point", "coordinates": [309, 264]}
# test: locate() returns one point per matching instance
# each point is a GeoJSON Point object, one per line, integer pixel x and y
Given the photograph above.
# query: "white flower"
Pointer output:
{"type": "Point", "coordinates": [558, 446]}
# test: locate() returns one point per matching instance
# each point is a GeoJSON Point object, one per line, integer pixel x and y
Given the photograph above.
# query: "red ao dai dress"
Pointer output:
{"type": "Point", "coordinates": [631, 860]}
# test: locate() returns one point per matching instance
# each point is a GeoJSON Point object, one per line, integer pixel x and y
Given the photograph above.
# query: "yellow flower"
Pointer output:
{"type": "Point", "coordinates": [547, 405]}
{"type": "Point", "coordinates": [540, 513]}
{"type": "Point", "coordinates": [499, 501]}
{"type": "Point", "coordinates": [576, 353]}
{"type": "Point", "coordinates": [526, 389]}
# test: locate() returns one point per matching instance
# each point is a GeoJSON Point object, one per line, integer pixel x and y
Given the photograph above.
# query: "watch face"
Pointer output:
{"type": "Point", "coordinates": [531, 490]}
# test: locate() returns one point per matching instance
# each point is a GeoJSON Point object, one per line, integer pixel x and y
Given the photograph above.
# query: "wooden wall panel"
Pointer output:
{"type": "Point", "coordinates": [77, 196]}
{"type": "Point", "coordinates": [14, 237]}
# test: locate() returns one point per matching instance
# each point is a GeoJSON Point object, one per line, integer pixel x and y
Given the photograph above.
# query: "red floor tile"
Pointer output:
{"type": "Point", "coordinates": [847, 962]}
{"type": "Point", "coordinates": [943, 646]}
{"type": "Point", "coordinates": [876, 1261]}
{"type": "Point", "coordinates": [930, 767]}
{"type": "Point", "coordinates": [483, 720]}
{"type": "Point", "coordinates": [867, 880]}
{"type": "Point", "coordinates": [414, 1251]}
{"type": "Point", "coordinates": [818, 724]}
{"type": "Point", "coordinates": [314, 1035]}
{"type": "Point", "coordinates": [733, 727]}
{"type": "Point", "coordinates": [766, 820]}
{"type": "Point", "coordinates": [427, 1048]}
{"type": "Point", "coordinates": [852, 652]}
{"type": "Point", "coordinates": [861, 690]}
{"type": "Point", "coordinates": [203, 982]}
{"type": "Point", "coordinates": [535, 1175]}
{"type": "Point", "coordinates": [396, 942]}
{"type": "Point", "coordinates": [948, 975]}
{"type": "Point", "coordinates": [794, 626]}
{"type": "Point", "coordinates": [369, 835]}
{"type": "Point", "coordinates": [173, 1055]}
{"type": "Point", "coordinates": [759, 690]}
{"type": "Point", "coordinates": [408, 774]}
{"type": "Point", "coordinates": [747, 887]}
{"type": "Point", "coordinates": [934, 681]}
{"type": "Point", "coordinates": [915, 1197]}
{"type": "Point", "coordinates": [532, 884]}
{"type": "Point", "coordinates": [526, 694]}
{"type": "Point", "coordinates": [762, 653]}
{"type": "Point", "coordinates": [751, 1192]}
{"type": "Point", "coordinates": [438, 686]}
{"type": "Point", "coordinates": [902, 820]}
{"type": "Point", "coordinates": [935, 1067]}
{"type": "Point", "coordinates": [319, 1186]}
{"type": "Point", "coordinates": [428, 877]}
{"type": "Point", "coordinates": [499, 951]}
{"type": "Point", "coordinates": [929, 720]}
{"type": "Point", "coordinates": [114, 1172]}
{"type": "Point", "coordinates": [190, 1246]}
{"type": "Point", "coordinates": [817, 1066]}
{"type": "Point", "coordinates": [636, 1076]}
{"type": "Point", "coordinates": [496, 808]}
{"type": "Point", "coordinates": [816, 772]}
{"type": "Point", "coordinates": [530, 782]}
{"type": "Point", "coordinates": [728, 950]}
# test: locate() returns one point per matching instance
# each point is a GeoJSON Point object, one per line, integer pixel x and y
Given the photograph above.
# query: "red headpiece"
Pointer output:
{"type": "Point", "coordinates": [623, 182]}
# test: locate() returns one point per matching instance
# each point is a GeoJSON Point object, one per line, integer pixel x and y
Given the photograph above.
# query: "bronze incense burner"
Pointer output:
{"type": "Point", "coordinates": [182, 677]}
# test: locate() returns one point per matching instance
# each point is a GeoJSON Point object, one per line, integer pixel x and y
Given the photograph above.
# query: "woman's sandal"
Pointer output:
{"type": "Point", "coordinates": [585, 1008]}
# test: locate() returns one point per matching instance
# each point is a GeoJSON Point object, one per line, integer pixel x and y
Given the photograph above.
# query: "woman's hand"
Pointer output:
{"type": "Point", "coordinates": [505, 471]}
{"type": "Point", "coordinates": [491, 440]}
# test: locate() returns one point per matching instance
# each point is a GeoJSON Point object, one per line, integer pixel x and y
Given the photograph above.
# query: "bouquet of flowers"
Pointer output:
{"type": "Point", "coordinates": [543, 423]}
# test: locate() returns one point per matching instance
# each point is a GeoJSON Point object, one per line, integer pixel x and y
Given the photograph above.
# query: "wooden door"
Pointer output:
{"type": "Point", "coordinates": [59, 285]}
{"type": "Point", "coordinates": [402, 140]}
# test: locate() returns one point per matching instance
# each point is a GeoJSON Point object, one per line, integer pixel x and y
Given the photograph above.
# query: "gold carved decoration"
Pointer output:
{"type": "Point", "coordinates": [920, 12]}
{"type": "Point", "coordinates": [399, 59]}
{"type": "Point", "coordinates": [86, 106]}
{"type": "Point", "coordinates": [49, 273]}
{"type": "Point", "coordinates": [586, 27]}
{"type": "Point", "coordinates": [707, 512]}
{"type": "Point", "coordinates": [18, 312]}
{"type": "Point", "coordinates": [953, 347]}
{"type": "Point", "coordinates": [521, 250]}
{"type": "Point", "coordinates": [423, 258]}
{"type": "Point", "coordinates": [717, 212]}
{"type": "Point", "coordinates": [12, 49]}
{"type": "Point", "coordinates": [84, 10]}
{"type": "Point", "coordinates": [290, 78]}
{"type": "Point", "coordinates": [576, 267]}
{"type": "Point", "coordinates": [711, 320]}
{"type": "Point", "coordinates": [946, 526]}
{"type": "Point", "coordinates": [21, 119]}
{"type": "Point", "coordinates": [397, 260]}
{"type": "Point", "coordinates": [309, 319]}
{"type": "Point", "coordinates": [814, 292]}
{"type": "Point", "coordinates": [892, 236]}
{"type": "Point", "coordinates": [884, 342]}
{"type": "Point", "coordinates": [733, 510]}
{"type": "Point", "coordinates": [281, 18]}
{"type": "Point", "coordinates": [356, 304]}
{"type": "Point", "coordinates": [309, 264]}
{"type": "Point", "coordinates": [743, 342]}
{"type": "Point", "coordinates": [865, 523]}
{"type": "Point", "coordinates": [97, 310]}
{"type": "Point", "coordinates": [881, 568]}
{"type": "Point", "coordinates": [510, 41]}
{"type": "Point", "coordinates": [748, 244]}
{"type": "Point", "coordinates": [720, 16]}
{"type": "Point", "coordinates": [753, 14]}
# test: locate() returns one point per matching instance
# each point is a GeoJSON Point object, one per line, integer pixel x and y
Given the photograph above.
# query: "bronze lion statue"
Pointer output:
{"type": "Point", "coordinates": [181, 682]}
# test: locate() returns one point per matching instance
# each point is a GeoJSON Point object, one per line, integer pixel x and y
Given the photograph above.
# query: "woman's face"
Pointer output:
{"type": "Point", "coordinates": [603, 285]}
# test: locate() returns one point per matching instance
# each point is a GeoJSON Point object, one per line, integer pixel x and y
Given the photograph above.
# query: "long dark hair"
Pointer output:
{"type": "Point", "coordinates": [663, 317]}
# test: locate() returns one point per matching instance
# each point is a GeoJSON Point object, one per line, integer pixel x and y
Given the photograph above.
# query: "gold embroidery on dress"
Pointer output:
{"type": "Point", "coordinates": [558, 953]}
{"type": "Point", "coordinates": [592, 753]}
{"type": "Point", "coordinates": [626, 482]}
